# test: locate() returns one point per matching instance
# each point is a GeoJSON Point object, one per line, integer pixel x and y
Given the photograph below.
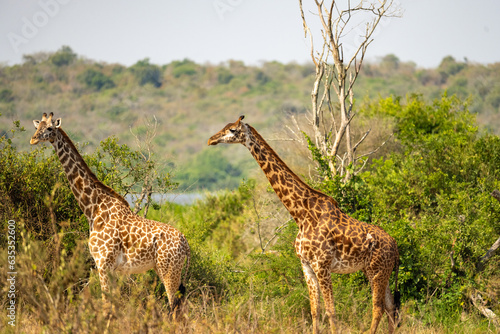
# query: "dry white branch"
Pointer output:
{"type": "Point", "coordinates": [479, 303]}
{"type": "Point", "coordinates": [361, 140]}
{"type": "Point", "coordinates": [375, 150]}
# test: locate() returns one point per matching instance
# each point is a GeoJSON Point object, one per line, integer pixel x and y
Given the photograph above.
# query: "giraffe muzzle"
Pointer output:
{"type": "Point", "coordinates": [212, 141]}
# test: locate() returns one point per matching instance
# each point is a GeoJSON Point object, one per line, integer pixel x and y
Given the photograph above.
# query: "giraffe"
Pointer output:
{"type": "Point", "coordinates": [119, 240]}
{"type": "Point", "coordinates": [328, 241]}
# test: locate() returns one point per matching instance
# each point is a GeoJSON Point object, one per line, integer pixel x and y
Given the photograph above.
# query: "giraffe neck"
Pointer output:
{"type": "Point", "coordinates": [88, 190]}
{"type": "Point", "coordinates": [291, 190]}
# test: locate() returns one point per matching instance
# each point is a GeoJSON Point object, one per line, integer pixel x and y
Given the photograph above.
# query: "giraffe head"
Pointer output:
{"type": "Point", "coordinates": [45, 129]}
{"type": "Point", "coordinates": [232, 133]}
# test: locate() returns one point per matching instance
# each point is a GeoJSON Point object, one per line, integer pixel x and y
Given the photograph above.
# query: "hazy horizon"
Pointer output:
{"type": "Point", "coordinates": [216, 31]}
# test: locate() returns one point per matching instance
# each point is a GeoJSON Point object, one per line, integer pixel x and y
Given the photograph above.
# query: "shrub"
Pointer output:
{"type": "Point", "coordinates": [184, 67]}
{"type": "Point", "coordinates": [224, 76]}
{"type": "Point", "coordinates": [6, 95]}
{"type": "Point", "coordinates": [27, 181]}
{"type": "Point", "coordinates": [147, 73]}
{"type": "Point", "coordinates": [64, 56]}
{"type": "Point", "coordinates": [96, 80]}
{"type": "Point", "coordinates": [434, 198]}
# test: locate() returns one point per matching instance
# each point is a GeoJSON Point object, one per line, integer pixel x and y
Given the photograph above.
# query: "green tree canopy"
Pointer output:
{"type": "Point", "coordinates": [64, 56]}
{"type": "Point", "coordinates": [96, 80]}
{"type": "Point", "coordinates": [147, 73]}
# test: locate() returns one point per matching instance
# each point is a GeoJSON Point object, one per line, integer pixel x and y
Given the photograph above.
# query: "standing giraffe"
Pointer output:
{"type": "Point", "coordinates": [119, 240]}
{"type": "Point", "coordinates": [328, 241]}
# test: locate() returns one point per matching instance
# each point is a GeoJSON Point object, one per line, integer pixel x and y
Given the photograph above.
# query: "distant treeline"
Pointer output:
{"type": "Point", "coordinates": [189, 100]}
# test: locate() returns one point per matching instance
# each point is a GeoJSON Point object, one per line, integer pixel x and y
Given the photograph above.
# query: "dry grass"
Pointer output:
{"type": "Point", "coordinates": [67, 300]}
{"type": "Point", "coordinates": [137, 310]}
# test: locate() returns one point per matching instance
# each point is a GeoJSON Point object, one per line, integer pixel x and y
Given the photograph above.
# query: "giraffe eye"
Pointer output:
{"type": "Point", "coordinates": [232, 130]}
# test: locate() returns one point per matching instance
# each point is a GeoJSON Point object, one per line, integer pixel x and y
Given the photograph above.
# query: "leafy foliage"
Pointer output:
{"type": "Point", "coordinates": [127, 170]}
{"type": "Point", "coordinates": [96, 80]}
{"type": "Point", "coordinates": [6, 95]}
{"type": "Point", "coordinates": [147, 73]}
{"type": "Point", "coordinates": [63, 57]}
{"type": "Point", "coordinates": [27, 181]}
{"type": "Point", "coordinates": [434, 198]}
{"type": "Point", "coordinates": [185, 67]}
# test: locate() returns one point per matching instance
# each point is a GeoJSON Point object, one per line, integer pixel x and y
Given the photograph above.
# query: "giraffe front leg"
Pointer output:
{"type": "Point", "coordinates": [105, 289]}
{"type": "Point", "coordinates": [313, 287]}
{"type": "Point", "coordinates": [325, 284]}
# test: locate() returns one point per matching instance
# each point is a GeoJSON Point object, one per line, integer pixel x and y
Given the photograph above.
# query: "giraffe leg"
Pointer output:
{"type": "Point", "coordinates": [105, 288]}
{"type": "Point", "coordinates": [325, 283]}
{"type": "Point", "coordinates": [379, 284]}
{"type": "Point", "coordinates": [390, 309]}
{"type": "Point", "coordinates": [313, 287]}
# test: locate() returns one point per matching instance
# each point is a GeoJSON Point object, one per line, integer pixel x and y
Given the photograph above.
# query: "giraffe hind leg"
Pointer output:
{"type": "Point", "coordinates": [390, 309]}
{"type": "Point", "coordinates": [381, 295]}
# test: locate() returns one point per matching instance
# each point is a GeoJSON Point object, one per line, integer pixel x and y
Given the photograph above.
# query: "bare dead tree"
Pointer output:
{"type": "Point", "coordinates": [338, 65]}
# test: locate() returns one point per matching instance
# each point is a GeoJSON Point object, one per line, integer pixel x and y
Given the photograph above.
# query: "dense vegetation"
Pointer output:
{"type": "Point", "coordinates": [429, 187]}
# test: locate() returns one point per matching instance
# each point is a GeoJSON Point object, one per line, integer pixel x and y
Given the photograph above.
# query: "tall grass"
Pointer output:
{"type": "Point", "coordinates": [67, 299]}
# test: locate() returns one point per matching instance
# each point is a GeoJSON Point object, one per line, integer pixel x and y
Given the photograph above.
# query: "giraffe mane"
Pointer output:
{"type": "Point", "coordinates": [110, 191]}
{"type": "Point", "coordinates": [259, 137]}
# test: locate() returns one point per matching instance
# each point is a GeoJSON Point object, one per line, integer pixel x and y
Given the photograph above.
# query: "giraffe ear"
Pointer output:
{"type": "Point", "coordinates": [36, 123]}
{"type": "Point", "coordinates": [57, 123]}
{"type": "Point", "coordinates": [239, 119]}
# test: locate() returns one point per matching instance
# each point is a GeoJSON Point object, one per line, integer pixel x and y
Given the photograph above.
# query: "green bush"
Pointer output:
{"type": "Point", "coordinates": [6, 95]}
{"type": "Point", "coordinates": [31, 183]}
{"type": "Point", "coordinates": [63, 57]}
{"type": "Point", "coordinates": [184, 67]}
{"type": "Point", "coordinates": [213, 227]}
{"type": "Point", "coordinates": [147, 73]}
{"type": "Point", "coordinates": [96, 80]}
{"type": "Point", "coordinates": [224, 76]}
{"type": "Point", "coordinates": [434, 198]}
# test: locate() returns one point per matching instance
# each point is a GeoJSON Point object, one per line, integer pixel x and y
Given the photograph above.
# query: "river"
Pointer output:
{"type": "Point", "coordinates": [183, 199]}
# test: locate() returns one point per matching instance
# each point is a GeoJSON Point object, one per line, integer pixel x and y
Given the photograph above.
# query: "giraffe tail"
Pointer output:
{"type": "Point", "coordinates": [181, 292]}
{"type": "Point", "coordinates": [179, 296]}
{"type": "Point", "coordinates": [397, 295]}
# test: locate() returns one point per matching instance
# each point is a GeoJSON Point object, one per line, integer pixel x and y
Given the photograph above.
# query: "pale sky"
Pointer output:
{"type": "Point", "coordinates": [249, 30]}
